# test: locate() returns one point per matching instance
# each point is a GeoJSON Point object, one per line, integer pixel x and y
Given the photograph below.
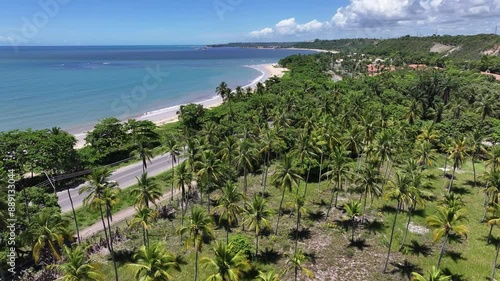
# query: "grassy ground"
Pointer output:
{"type": "Point", "coordinates": [326, 241]}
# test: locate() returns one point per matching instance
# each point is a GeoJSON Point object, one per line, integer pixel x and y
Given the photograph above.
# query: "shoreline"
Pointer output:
{"type": "Point", "coordinates": [313, 50]}
{"type": "Point", "coordinates": [169, 114]}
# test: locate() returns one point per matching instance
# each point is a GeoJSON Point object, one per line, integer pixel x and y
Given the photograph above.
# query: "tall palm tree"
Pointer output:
{"type": "Point", "coordinates": [257, 217]}
{"type": "Point", "coordinates": [296, 263]}
{"type": "Point", "coordinates": [227, 264]}
{"type": "Point", "coordinates": [285, 178]}
{"type": "Point", "coordinates": [494, 222]}
{"type": "Point", "coordinates": [340, 167]}
{"type": "Point", "coordinates": [227, 153]}
{"type": "Point", "coordinates": [223, 91]}
{"type": "Point", "coordinates": [76, 266]}
{"type": "Point", "coordinates": [476, 148]}
{"type": "Point", "coordinates": [152, 263]}
{"type": "Point", "coordinates": [209, 173]}
{"type": "Point", "coordinates": [228, 208]}
{"type": "Point", "coordinates": [434, 275]}
{"type": "Point", "coordinates": [183, 178]}
{"type": "Point", "coordinates": [305, 151]}
{"type": "Point", "coordinates": [99, 195]}
{"type": "Point", "coordinates": [49, 232]}
{"type": "Point", "coordinates": [353, 210]}
{"type": "Point", "coordinates": [494, 158]}
{"type": "Point", "coordinates": [458, 154]}
{"type": "Point", "coordinates": [447, 221]}
{"type": "Point", "coordinates": [173, 149]}
{"type": "Point", "coordinates": [425, 153]}
{"type": "Point", "coordinates": [199, 227]}
{"type": "Point", "coordinates": [145, 154]}
{"type": "Point", "coordinates": [146, 191]}
{"type": "Point", "coordinates": [244, 160]}
{"type": "Point", "coordinates": [369, 183]}
{"type": "Point", "coordinates": [144, 218]}
{"type": "Point", "coordinates": [298, 203]}
{"type": "Point", "coordinates": [399, 189]}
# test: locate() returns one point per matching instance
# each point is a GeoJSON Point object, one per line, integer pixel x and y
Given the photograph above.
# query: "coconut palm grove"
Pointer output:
{"type": "Point", "coordinates": [355, 165]}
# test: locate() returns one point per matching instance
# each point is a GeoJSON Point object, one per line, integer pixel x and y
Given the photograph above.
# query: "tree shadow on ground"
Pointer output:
{"type": "Point", "coordinates": [454, 277]}
{"type": "Point", "coordinates": [316, 216]}
{"type": "Point", "coordinates": [345, 224]}
{"type": "Point", "coordinates": [460, 190]}
{"type": "Point", "coordinates": [417, 249]}
{"type": "Point", "coordinates": [303, 234]}
{"type": "Point", "coordinates": [359, 244]}
{"type": "Point", "coordinates": [124, 256]}
{"type": "Point", "coordinates": [374, 227]}
{"type": "Point", "coordinates": [322, 203]}
{"type": "Point", "coordinates": [269, 256]}
{"type": "Point", "coordinates": [388, 209]}
{"type": "Point", "coordinates": [455, 256]}
{"type": "Point", "coordinates": [264, 195]}
{"type": "Point", "coordinates": [419, 213]}
{"type": "Point", "coordinates": [311, 257]}
{"type": "Point", "coordinates": [405, 268]}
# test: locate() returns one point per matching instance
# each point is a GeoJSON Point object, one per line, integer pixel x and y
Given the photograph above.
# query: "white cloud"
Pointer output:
{"type": "Point", "coordinates": [375, 18]}
{"type": "Point", "coordinates": [6, 39]}
{"type": "Point", "coordinates": [288, 27]}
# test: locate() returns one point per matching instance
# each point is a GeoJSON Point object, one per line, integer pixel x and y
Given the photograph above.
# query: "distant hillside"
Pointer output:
{"type": "Point", "coordinates": [257, 45]}
{"type": "Point", "coordinates": [461, 47]}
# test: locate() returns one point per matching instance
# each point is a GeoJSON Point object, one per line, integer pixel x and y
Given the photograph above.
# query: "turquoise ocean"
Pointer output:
{"type": "Point", "coordinates": [74, 87]}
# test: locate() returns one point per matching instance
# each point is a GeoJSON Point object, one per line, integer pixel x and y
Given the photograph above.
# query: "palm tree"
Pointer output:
{"type": "Point", "coordinates": [100, 190]}
{"type": "Point", "coordinates": [223, 91]}
{"type": "Point", "coordinates": [353, 210]}
{"type": "Point", "coordinates": [434, 275]}
{"type": "Point", "coordinates": [494, 158]}
{"type": "Point", "coordinates": [492, 222]}
{"type": "Point", "coordinates": [199, 227]}
{"type": "Point", "coordinates": [209, 173]}
{"type": "Point", "coordinates": [257, 217]}
{"type": "Point", "coordinates": [369, 183]}
{"type": "Point", "coordinates": [145, 154]}
{"type": "Point", "coordinates": [143, 135]}
{"type": "Point", "coordinates": [296, 263]}
{"type": "Point", "coordinates": [285, 178]}
{"type": "Point", "coordinates": [298, 205]}
{"type": "Point", "coordinates": [268, 276]}
{"type": "Point", "coordinates": [172, 148]}
{"type": "Point", "coordinates": [305, 151]}
{"type": "Point", "coordinates": [152, 263]}
{"type": "Point", "coordinates": [244, 159]}
{"type": "Point", "coordinates": [340, 168]}
{"type": "Point", "coordinates": [399, 189]}
{"type": "Point", "coordinates": [425, 153]}
{"type": "Point", "coordinates": [458, 154]}
{"type": "Point", "coordinates": [49, 231]}
{"type": "Point", "coordinates": [144, 218]}
{"type": "Point", "coordinates": [76, 266]}
{"type": "Point", "coordinates": [227, 264]}
{"type": "Point", "coordinates": [146, 191]}
{"type": "Point", "coordinates": [184, 178]}
{"type": "Point", "coordinates": [227, 150]}
{"type": "Point", "coordinates": [228, 208]}
{"type": "Point", "coordinates": [445, 222]}
{"type": "Point", "coordinates": [476, 148]}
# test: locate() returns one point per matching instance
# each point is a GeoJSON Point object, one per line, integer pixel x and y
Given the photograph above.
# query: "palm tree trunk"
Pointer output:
{"type": "Point", "coordinates": [495, 264]}
{"type": "Point", "coordinates": [173, 176]}
{"type": "Point", "coordinates": [227, 234]}
{"type": "Point", "coordinates": [339, 187]}
{"type": "Point", "coordinates": [297, 230]}
{"type": "Point", "coordinates": [307, 179]}
{"type": "Point", "coordinates": [104, 227]}
{"type": "Point", "coordinates": [331, 202]}
{"type": "Point", "coordinates": [410, 210]}
{"type": "Point", "coordinates": [320, 170]}
{"type": "Point", "coordinates": [279, 210]}
{"type": "Point", "coordinates": [74, 216]}
{"type": "Point", "coordinates": [182, 204]}
{"type": "Point", "coordinates": [208, 202]}
{"type": "Point", "coordinates": [392, 236]}
{"type": "Point", "coordinates": [110, 243]}
{"type": "Point", "coordinates": [256, 244]}
{"type": "Point", "coordinates": [108, 214]}
{"type": "Point", "coordinates": [474, 168]}
{"type": "Point", "coordinates": [245, 180]}
{"type": "Point", "coordinates": [267, 170]}
{"type": "Point", "coordinates": [445, 165]}
{"type": "Point", "coordinates": [489, 234]}
{"type": "Point", "coordinates": [452, 178]}
{"type": "Point", "coordinates": [353, 228]}
{"type": "Point", "coordinates": [196, 266]}
{"type": "Point", "coordinates": [443, 248]}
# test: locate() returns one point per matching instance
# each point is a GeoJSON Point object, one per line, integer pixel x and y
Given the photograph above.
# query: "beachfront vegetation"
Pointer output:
{"type": "Point", "coordinates": [386, 177]}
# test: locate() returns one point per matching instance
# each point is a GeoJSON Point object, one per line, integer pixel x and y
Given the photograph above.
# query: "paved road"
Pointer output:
{"type": "Point", "coordinates": [125, 177]}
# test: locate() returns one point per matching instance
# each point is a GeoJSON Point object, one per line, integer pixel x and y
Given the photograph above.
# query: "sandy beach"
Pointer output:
{"type": "Point", "coordinates": [314, 50]}
{"type": "Point", "coordinates": [169, 114]}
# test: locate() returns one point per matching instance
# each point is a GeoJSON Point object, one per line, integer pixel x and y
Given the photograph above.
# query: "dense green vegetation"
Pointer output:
{"type": "Point", "coordinates": [384, 177]}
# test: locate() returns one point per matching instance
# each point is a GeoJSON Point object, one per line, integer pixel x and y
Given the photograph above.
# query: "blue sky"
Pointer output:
{"type": "Point", "coordinates": [119, 22]}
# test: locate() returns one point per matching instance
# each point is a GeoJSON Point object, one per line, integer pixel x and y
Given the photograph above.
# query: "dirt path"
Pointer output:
{"type": "Point", "coordinates": [120, 216]}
